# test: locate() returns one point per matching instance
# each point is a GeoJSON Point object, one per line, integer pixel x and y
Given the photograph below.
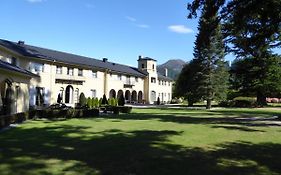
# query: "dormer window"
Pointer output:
{"type": "Point", "coordinates": [59, 70]}
{"type": "Point", "coordinates": [80, 72]}
{"type": "Point", "coordinates": [70, 71]}
{"type": "Point", "coordinates": [94, 74]}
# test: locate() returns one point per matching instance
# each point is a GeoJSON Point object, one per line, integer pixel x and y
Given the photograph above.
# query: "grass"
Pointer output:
{"type": "Point", "coordinates": [148, 141]}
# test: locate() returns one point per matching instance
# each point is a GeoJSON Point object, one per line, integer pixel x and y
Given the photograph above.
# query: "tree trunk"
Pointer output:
{"type": "Point", "coordinates": [209, 104]}
{"type": "Point", "coordinates": [261, 99]}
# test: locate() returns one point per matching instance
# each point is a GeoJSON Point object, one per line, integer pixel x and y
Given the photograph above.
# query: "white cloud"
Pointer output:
{"type": "Point", "coordinates": [34, 1]}
{"type": "Point", "coordinates": [143, 26]}
{"type": "Point", "coordinates": [180, 29]}
{"type": "Point", "coordinates": [134, 22]}
{"type": "Point", "coordinates": [132, 19]}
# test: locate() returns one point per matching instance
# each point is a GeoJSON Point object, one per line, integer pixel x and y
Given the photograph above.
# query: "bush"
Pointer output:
{"type": "Point", "coordinates": [158, 101]}
{"type": "Point", "coordinates": [82, 100]}
{"type": "Point", "coordinates": [6, 120]}
{"type": "Point", "coordinates": [89, 102]}
{"type": "Point", "coordinates": [242, 102]}
{"type": "Point", "coordinates": [100, 102]}
{"type": "Point", "coordinates": [104, 100]}
{"type": "Point", "coordinates": [125, 109]}
{"type": "Point", "coordinates": [121, 100]}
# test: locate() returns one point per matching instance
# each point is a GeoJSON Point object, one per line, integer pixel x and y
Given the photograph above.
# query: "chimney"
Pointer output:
{"type": "Point", "coordinates": [166, 72]}
{"type": "Point", "coordinates": [140, 57]}
{"type": "Point", "coordinates": [20, 42]}
{"type": "Point", "coordinates": [104, 59]}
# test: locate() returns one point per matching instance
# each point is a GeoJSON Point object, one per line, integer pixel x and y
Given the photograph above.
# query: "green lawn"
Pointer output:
{"type": "Point", "coordinates": [148, 141]}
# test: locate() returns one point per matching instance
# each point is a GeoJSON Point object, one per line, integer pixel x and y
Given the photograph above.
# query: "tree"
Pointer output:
{"type": "Point", "coordinates": [158, 101]}
{"type": "Point", "coordinates": [59, 99]}
{"type": "Point", "coordinates": [104, 100]}
{"type": "Point", "coordinates": [209, 52]}
{"type": "Point", "coordinates": [89, 102]}
{"type": "Point", "coordinates": [186, 83]}
{"type": "Point", "coordinates": [246, 76]}
{"type": "Point", "coordinates": [252, 30]}
{"type": "Point", "coordinates": [82, 99]}
{"type": "Point", "coordinates": [121, 100]}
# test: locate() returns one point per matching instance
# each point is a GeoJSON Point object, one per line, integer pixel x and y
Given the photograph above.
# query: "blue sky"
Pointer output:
{"type": "Point", "coordinates": [117, 29]}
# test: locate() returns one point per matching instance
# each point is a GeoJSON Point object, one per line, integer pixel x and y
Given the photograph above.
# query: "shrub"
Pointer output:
{"type": "Point", "coordinates": [100, 102]}
{"type": "Point", "coordinates": [242, 102]}
{"type": "Point", "coordinates": [82, 100]}
{"type": "Point", "coordinates": [158, 101]}
{"type": "Point", "coordinates": [121, 100]}
{"type": "Point", "coordinates": [89, 102]}
{"type": "Point", "coordinates": [125, 109]}
{"type": "Point", "coordinates": [104, 100]}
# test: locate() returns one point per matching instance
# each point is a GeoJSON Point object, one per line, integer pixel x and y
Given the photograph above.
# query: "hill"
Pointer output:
{"type": "Point", "coordinates": [174, 67]}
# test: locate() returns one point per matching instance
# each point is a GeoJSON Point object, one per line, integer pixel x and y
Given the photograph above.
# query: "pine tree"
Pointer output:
{"type": "Point", "coordinates": [209, 52]}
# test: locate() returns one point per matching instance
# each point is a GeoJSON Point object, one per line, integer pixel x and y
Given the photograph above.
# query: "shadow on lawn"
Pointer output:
{"type": "Point", "coordinates": [243, 121]}
{"type": "Point", "coordinates": [136, 152]}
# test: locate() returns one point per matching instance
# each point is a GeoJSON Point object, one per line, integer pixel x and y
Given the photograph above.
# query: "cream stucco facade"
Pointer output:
{"type": "Point", "coordinates": [68, 80]}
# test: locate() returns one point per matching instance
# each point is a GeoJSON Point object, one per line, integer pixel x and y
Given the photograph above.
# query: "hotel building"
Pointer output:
{"type": "Point", "coordinates": [35, 76]}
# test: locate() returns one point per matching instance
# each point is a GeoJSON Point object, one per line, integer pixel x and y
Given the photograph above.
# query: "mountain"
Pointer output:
{"type": "Point", "coordinates": [174, 67]}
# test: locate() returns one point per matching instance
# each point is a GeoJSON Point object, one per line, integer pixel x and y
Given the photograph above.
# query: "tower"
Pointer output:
{"type": "Point", "coordinates": [148, 66]}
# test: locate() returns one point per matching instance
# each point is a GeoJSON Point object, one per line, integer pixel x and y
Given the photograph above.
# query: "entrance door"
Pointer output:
{"type": "Point", "coordinates": [69, 94]}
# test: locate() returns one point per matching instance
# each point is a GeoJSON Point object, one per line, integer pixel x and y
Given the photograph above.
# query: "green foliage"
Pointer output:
{"type": "Point", "coordinates": [158, 101]}
{"type": "Point", "coordinates": [251, 30]}
{"type": "Point", "coordinates": [82, 99]}
{"type": "Point", "coordinates": [210, 78]}
{"type": "Point", "coordinates": [121, 100]}
{"type": "Point", "coordinates": [252, 76]}
{"type": "Point", "coordinates": [186, 85]}
{"type": "Point", "coordinates": [89, 102]}
{"type": "Point", "coordinates": [112, 102]}
{"type": "Point", "coordinates": [241, 102]}
{"type": "Point", "coordinates": [100, 102]}
{"type": "Point", "coordinates": [104, 100]}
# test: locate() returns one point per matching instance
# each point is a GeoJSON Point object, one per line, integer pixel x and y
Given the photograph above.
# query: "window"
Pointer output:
{"type": "Point", "coordinates": [162, 82]}
{"type": "Point", "coordinates": [36, 67]}
{"type": "Point", "coordinates": [119, 77]}
{"type": "Point", "coordinates": [93, 93]}
{"type": "Point", "coordinates": [39, 96]}
{"type": "Point", "coordinates": [94, 74]}
{"type": "Point", "coordinates": [153, 80]}
{"type": "Point", "coordinates": [110, 74]}
{"type": "Point", "coordinates": [169, 84]}
{"type": "Point", "coordinates": [142, 65]}
{"type": "Point", "coordinates": [70, 71]}
{"type": "Point", "coordinates": [128, 80]}
{"type": "Point", "coordinates": [153, 96]}
{"type": "Point", "coordinates": [80, 72]}
{"type": "Point", "coordinates": [159, 82]}
{"type": "Point", "coordinates": [76, 95]}
{"type": "Point", "coordinates": [59, 70]}
{"type": "Point", "coordinates": [153, 66]}
{"type": "Point", "coordinates": [136, 79]}
{"type": "Point", "coordinates": [165, 83]}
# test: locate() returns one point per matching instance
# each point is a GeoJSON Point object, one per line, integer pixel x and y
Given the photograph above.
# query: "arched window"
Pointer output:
{"type": "Point", "coordinates": [69, 94]}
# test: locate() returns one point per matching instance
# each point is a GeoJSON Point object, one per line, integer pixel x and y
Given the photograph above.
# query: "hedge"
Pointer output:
{"type": "Point", "coordinates": [6, 120]}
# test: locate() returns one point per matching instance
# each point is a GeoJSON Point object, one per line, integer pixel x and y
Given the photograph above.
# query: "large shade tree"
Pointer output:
{"type": "Point", "coordinates": [252, 30]}
{"type": "Point", "coordinates": [209, 52]}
